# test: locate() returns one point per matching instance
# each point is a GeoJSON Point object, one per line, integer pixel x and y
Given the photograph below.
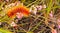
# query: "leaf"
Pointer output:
{"type": "Point", "coordinates": [4, 31]}
{"type": "Point", "coordinates": [50, 4]}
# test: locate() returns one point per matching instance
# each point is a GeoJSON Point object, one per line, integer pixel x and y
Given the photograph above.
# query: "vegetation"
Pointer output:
{"type": "Point", "coordinates": [36, 16]}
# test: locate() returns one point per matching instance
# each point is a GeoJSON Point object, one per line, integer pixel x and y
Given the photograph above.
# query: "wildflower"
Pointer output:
{"type": "Point", "coordinates": [58, 22]}
{"type": "Point", "coordinates": [7, 0]}
{"type": "Point", "coordinates": [19, 15]}
{"type": "Point", "coordinates": [44, 6]}
{"type": "Point", "coordinates": [33, 9]}
{"type": "Point", "coordinates": [39, 7]}
{"type": "Point", "coordinates": [14, 25]}
{"type": "Point", "coordinates": [51, 14]}
{"type": "Point", "coordinates": [54, 31]}
{"type": "Point", "coordinates": [18, 9]}
{"type": "Point", "coordinates": [59, 26]}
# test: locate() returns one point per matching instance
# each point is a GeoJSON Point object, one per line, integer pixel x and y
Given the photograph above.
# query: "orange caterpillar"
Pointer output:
{"type": "Point", "coordinates": [18, 9]}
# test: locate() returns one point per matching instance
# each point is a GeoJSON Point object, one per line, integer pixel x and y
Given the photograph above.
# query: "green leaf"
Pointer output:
{"type": "Point", "coordinates": [50, 4]}
{"type": "Point", "coordinates": [4, 31]}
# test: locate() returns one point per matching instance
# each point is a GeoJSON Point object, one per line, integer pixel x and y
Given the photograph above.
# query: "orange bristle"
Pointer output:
{"type": "Point", "coordinates": [12, 12]}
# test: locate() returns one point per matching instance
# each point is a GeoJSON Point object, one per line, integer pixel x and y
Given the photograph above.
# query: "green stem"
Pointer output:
{"type": "Point", "coordinates": [36, 26]}
{"type": "Point", "coordinates": [32, 3]}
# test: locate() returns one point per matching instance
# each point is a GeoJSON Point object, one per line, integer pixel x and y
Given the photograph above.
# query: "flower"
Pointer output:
{"type": "Point", "coordinates": [54, 31]}
{"type": "Point", "coordinates": [59, 26]}
{"type": "Point", "coordinates": [19, 15]}
{"type": "Point", "coordinates": [39, 7]}
{"type": "Point", "coordinates": [18, 9]}
{"type": "Point", "coordinates": [13, 24]}
{"type": "Point", "coordinates": [51, 14]}
{"type": "Point", "coordinates": [44, 6]}
{"type": "Point", "coordinates": [7, 0]}
{"type": "Point", "coordinates": [33, 9]}
{"type": "Point", "coordinates": [58, 22]}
